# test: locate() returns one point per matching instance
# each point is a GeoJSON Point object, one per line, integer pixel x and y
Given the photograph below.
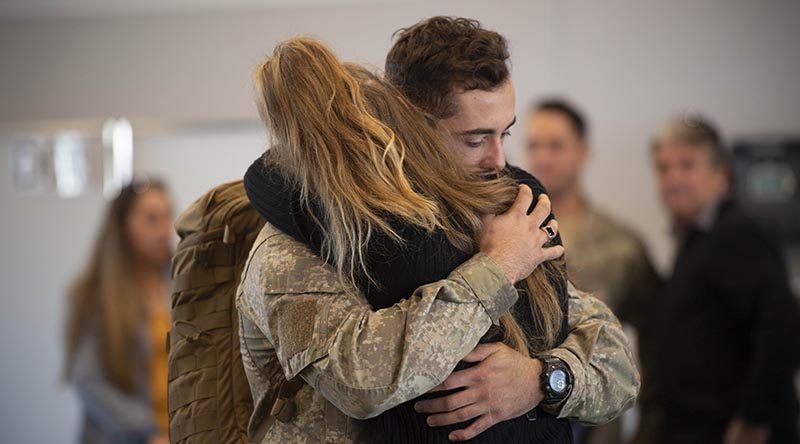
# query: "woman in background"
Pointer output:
{"type": "Point", "coordinates": [118, 318]}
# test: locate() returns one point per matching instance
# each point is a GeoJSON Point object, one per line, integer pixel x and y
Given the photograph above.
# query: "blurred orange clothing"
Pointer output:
{"type": "Point", "coordinates": [159, 326]}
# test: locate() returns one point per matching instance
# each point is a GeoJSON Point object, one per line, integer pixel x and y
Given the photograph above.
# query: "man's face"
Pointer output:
{"type": "Point", "coordinates": [688, 180]}
{"type": "Point", "coordinates": [554, 152]}
{"type": "Point", "coordinates": [481, 123]}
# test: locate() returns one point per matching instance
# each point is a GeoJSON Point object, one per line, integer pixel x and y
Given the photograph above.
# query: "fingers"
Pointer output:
{"type": "Point", "coordinates": [481, 352]}
{"type": "Point", "coordinates": [476, 428]}
{"type": "Point", "coordinates": [551, 253]}
{"type": "Point", "coordinates": [448, 403]}
{"type": "Point", "coordinates": [463, 414]}
{"type": "Point", "coordinates": [523, 201]}
{"type": "Point", "coordinates": [553, 224]}
{"type": "Point", "coordinates": [456, 380]}
{"type": "Point", "coordinates": [541, 211]}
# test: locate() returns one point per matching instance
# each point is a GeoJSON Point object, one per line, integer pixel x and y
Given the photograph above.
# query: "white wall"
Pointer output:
{"type": "Point", "coordinates": [629, 64]}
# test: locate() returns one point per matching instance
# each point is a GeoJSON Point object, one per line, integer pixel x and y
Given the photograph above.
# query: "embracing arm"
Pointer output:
{"type": "Point", "coordinates": [599, 355]}
{"type": "Point", "coordinates": [365, 361]}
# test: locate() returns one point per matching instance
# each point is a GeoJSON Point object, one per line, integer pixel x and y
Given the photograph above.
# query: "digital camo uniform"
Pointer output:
{"type": "Point", "coordinates": [299, 318]}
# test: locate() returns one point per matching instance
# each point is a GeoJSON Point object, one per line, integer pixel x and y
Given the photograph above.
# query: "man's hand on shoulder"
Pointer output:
{"type": "Point", "coordinates": [504, 384]}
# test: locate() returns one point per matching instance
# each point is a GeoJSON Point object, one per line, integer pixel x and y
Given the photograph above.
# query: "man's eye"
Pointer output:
{"type": "Point", "coordinates": [474, 143]}
{"type": "Point", "coordinates": [506, 134]}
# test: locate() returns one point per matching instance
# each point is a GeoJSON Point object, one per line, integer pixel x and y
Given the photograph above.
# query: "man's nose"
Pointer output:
{"type": "Point", "coordinates": [495, 158]}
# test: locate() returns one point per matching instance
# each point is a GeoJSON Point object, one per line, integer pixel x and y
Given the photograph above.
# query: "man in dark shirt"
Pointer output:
{"type": "Point", "coordinates": [725, 340]}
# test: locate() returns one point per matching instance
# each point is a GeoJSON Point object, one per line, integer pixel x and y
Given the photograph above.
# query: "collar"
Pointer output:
{"type": "Point", "coordinates": [703, 222]}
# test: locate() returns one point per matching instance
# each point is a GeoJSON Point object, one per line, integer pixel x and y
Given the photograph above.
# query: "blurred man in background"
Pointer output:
{"type": "Point", "coordinates": [725, 338]}
{"type": "Point", "coordinates": [603, 256]}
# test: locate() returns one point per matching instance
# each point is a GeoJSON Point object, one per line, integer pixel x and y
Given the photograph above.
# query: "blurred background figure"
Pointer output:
{"type": "Point", "coordinates": [118, 320]}
{"type": "Point", "coordinates": [725, 340]}
{"type": "Point", "coordinates": [603, 256]}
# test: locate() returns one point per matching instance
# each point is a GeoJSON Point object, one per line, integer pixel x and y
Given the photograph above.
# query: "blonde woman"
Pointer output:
{"type": "Point", "coordinates": [359, 176]}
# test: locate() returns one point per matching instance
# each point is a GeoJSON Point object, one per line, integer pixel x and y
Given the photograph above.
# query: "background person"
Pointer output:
{"type": "Point", "coordinates": [603, 256]}
{"type": "Point", "coordinates": [118, 319]}
{"type": "Point", "coordinates": [726, 336]}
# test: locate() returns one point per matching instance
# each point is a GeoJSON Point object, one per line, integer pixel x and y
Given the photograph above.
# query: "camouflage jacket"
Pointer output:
{"type": "Point", "coordinates": [298, 318]}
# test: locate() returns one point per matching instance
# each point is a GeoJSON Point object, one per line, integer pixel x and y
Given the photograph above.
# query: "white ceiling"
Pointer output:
{"type": "Point", "coordinates": [41, 9]}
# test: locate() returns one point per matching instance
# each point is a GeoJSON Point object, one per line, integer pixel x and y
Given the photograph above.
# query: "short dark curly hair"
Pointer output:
{"type": "Point", "coordinates": [436, 57]}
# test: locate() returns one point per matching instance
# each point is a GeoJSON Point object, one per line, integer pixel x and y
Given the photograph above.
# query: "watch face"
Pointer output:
{"type": "Point", "coordinates": [558, 381]}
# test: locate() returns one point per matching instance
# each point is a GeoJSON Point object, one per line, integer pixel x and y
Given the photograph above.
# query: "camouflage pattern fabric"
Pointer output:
{"type": "Point", "coordinates": [299, 318]}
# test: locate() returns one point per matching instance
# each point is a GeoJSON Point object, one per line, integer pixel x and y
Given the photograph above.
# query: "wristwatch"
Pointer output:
{"type": "Point", "coordinates": [556, 379]}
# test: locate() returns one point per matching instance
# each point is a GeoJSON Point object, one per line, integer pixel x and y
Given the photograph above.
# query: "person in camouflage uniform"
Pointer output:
{"type": "Point", "coordinates": [604, 257]}
{"type": "Point", "coordinates": [298, 318]}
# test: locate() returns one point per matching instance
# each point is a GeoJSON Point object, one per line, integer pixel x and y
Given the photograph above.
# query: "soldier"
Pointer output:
{"type": "Point", "coordinates": [604, 257]}
{"type": "Point", "coordinates": [329, 339]}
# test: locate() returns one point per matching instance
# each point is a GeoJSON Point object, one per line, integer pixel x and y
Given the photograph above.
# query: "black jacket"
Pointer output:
{"type": "Point", "coordinates": [726, 336]}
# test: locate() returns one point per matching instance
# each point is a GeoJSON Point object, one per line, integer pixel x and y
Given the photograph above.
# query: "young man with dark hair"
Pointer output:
{"type": "Point", "coordinates": [457, 72]}
{"type": "Point", "coordinates": [590, 376]}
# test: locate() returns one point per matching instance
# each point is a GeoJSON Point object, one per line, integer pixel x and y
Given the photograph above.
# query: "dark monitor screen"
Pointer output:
{"type": "Point", "coordinates": [766, 183]}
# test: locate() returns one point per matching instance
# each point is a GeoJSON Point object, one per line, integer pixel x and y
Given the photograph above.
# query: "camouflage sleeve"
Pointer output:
{"type": "Point", "coordinates": [599, 355]}
{"type": "Point", "coordinates": [364, 361]}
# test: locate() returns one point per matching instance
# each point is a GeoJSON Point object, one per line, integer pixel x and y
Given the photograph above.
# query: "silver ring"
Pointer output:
{"type": "Point", "coordinates": [549, 231]}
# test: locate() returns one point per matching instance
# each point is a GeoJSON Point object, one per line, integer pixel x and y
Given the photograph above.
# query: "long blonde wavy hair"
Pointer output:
{"type": "Point", "coordinates": [362, 152]}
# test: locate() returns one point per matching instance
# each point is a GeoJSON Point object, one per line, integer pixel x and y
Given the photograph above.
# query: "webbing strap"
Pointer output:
{"type": "Point", "coordinates": [283, 408]}
{"type": "Point", "coordinates": [182, 395]}
{"type": "Point", "coordinates": [202, 278]}
{"type": "Point", "coordinates": [190, 426]}
{"type": "Point", "coordinates": [196, 327]}
{"type": "Point", "coordinates": [190, 363]}
{"type": "Point", "coordinates": [191, 310]}
{"type": "Point", "coordinates": [217, 254]}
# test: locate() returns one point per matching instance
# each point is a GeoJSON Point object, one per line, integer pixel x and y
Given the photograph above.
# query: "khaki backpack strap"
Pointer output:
{"type": "Point", "coordinates": [203, 278]}
{"type": "Point", "coordinates": [190, 311]}
{"type": "Point", "coordinates": [283, 408]}
{"type": "Point", "coordinates": [180, 396]}
{"type": "Point", "coordinates": [193, 425]}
